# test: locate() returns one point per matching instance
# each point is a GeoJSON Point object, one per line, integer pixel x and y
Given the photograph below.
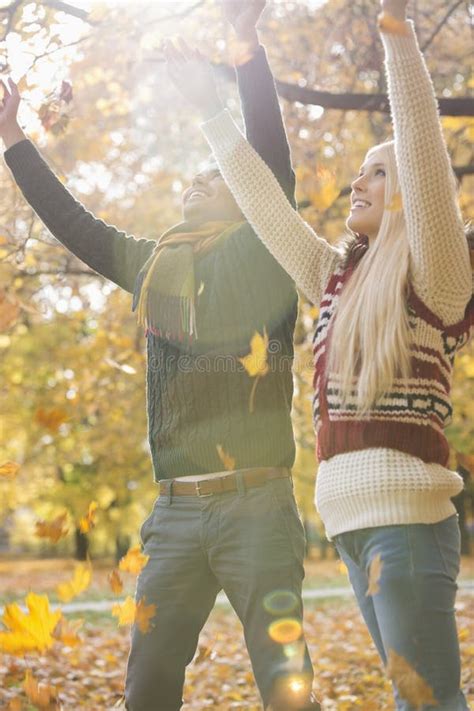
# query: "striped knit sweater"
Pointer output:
{"type": "Point", "coordinates": [389, 467]}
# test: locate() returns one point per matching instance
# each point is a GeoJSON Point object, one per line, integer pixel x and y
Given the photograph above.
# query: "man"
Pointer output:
{"type": "Point", "coordinates": [221, 440]}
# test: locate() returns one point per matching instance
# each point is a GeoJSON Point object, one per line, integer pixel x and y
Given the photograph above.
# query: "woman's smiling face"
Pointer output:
{"type": "Point", "coordinates": [368, 197]}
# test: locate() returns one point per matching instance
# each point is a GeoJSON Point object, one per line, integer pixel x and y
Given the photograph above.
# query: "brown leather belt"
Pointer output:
{"type": "Point", "coordinates": [257, 476]}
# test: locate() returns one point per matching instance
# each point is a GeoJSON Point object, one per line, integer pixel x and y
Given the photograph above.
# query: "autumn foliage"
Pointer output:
{"type": "Point", "coordinates": [75, 475]}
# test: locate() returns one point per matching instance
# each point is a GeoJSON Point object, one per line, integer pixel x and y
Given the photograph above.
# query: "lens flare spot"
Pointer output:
{"type": "Point", "coordinates": [296, 685]}
{"type": "Point", "coordinates": [285, 631]}
{"type": "Point", "coordinates": [280, 602]}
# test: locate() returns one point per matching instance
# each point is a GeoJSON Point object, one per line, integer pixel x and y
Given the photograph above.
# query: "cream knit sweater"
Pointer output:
{"type": "Point", "coordinates": [377, 486]}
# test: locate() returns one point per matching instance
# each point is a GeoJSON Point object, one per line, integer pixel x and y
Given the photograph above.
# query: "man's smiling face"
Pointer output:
{"type": "Point", "coordinates": [208, 198]}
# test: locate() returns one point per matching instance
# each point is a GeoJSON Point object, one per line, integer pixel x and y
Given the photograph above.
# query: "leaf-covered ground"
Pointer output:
{"type": "Point", "coordinates": [348, 673]}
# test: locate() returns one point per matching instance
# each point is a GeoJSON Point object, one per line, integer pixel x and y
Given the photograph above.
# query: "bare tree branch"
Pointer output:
{"type": "Point", "coordinates": [440, 25]}
{"type": "Point", "coordinates": [459, 106]}
{"type": "Point", "coordinates": [69, 9]}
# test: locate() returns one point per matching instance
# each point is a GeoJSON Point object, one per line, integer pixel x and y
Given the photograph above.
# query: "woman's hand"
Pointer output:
{"type": "Point", "coordinates": [10, 131]}
{"type": "Point", "coordinates": [191, 74]}
{"type": "Point", "coordinates": [395, 8]}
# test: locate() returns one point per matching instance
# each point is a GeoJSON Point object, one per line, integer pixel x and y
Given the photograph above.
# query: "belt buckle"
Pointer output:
{"type": "Point", "coordinates": [198, 489]}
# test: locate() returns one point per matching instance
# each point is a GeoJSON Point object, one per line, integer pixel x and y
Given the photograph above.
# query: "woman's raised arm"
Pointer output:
{"type": "Point", "coordinates": [439, 255]}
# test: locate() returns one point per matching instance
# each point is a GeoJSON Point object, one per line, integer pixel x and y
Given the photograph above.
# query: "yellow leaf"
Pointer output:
{"type": "Point", "coordinates": [115, 582]}
{"type": "Point", "coordinates": [89, 521]}
{"type": "Point", "coordinates": [375, 571]}
{"type": "Point", "coordinates": [411, 686]}
{"type": "Point", "coordinates": [143, 615]}
{"type": "Point", "coordinates": [255, 363]}
{"type": "Point", "coordinates": [66, 632]}
{"type": "Point", "coordinates": [134, 561]}
{"type": "Point", "coordinates": [80, 581]}
{"type": "Point", "coordinates": [9, 470]}
{"type": "Point", "coordinates": [326, 190]}
{"type": "Point", "coordinates": [28, 632]}
{"type": "Point", "coordinates": [54, 530]}
{"type": "Point", "coordinates": [395, 204]}
{"type": "Point", "coordinates": [226, 459]}
{"type": "Point", "coordinates": [9, 311]}
{"type": "Point", "coordinates": [125, 611]}
{"type": "Point", "coordinates": [41, 695]}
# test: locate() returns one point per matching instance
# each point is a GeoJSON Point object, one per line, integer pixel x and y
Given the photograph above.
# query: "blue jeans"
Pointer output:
{"type": "Point", "coordinates": [413, 611]}
{"type": "Point", "coordinates": [249, 543]}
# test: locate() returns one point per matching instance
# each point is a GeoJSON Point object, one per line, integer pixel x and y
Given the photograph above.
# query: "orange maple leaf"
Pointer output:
{"type": "Point", "coordinates": [115, 582]}
{"type": "Point", "coordinates": [9, 470]}
{"type": "Point", "coordinates": [411, 686]}
{"type": "Point", "coordinates": [375, 571]}
{"type": "Point", "coordinates": [41, 695]}
{"type": "Point", "coordinates": [28, 632]}
{"type": "Point", "coordinates": [66, 632]}
{"type": "Point", "coordinates": [133, 561]}
{"type": "Point", "coordinates": [79, 582]}
{"type": "Point", "coordinates": [143, 615]}
{"type": "Point", "coordinates": [51, 419]}
{"type": "Point", "coordinates": [125, 612]}
{"type": "Point", "coordinates": [89, 520]}
{"type": "Point", "coordinates": [54, 530]}
{"type": "Point", "coordinates": [226, 459]}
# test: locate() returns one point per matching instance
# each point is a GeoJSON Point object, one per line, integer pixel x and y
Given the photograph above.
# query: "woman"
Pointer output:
{"type": "Point", "coordinates": [392, 316]}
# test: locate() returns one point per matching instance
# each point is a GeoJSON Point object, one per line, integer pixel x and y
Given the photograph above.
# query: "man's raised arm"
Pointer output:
{"type": "Point", "coordinates": [108, 251]}
{"type": "Point", "coordinates": [264, 125]}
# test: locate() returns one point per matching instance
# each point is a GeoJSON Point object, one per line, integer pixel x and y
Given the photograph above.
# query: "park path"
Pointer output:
{"type": "Point", "coordinates": [466, 587]}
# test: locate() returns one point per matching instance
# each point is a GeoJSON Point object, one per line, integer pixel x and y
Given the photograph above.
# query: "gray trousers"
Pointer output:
{"type": "Point", "coordinates": [249, 543]}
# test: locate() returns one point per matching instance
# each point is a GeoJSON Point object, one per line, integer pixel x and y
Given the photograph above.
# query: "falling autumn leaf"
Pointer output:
{"type": "Point", "coordinates": [241, 51]}
{"type": "Point", "coordinates": [143, 614]}
{"type": "Point", "coordinates": [226, 459]}
{"type": "Point", "coordinates": [89, 521]}
{"type": "Point", "coordinates": [255, 363]}
{"type": "Point", "coordinates": [125, 612]}
{"type": "Point", "coordinates": [375, 571]}
{"type": "Point", "coordinates": [65, 93]}
{"type": "Point", "coordinates": [54, 530]}
{"type": "Point", "coordinates": [28, 632]}
{"type": "Point", "coordinates": [51, 419]}
{"type": "Point", "coordinates": [326, 190]}
{"type": "Point", "coordinates": [395, 204]}
{"type": "Point", "coordinates": [9, 470]}
{"type": "Point", "coordinates": [411, 686]}
{"type": "Point", "coordinates": [133, 561]}
{"type": "Point", "coordinates": [9, 311]}
{"type": "Point", "coordinates": [41, 695]}
{"type": "Point", "coordinates": [80, 581]}
{"type": "Point", "coordinates": [115, 582]}
{"type": "Point", "coordinates": [204, 652]}
{"type": "Point", "coordinates": [66, 632]}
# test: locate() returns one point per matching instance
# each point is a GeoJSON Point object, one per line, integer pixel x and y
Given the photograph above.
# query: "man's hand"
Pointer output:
{"type": "Point", "coordinates": [395, 8]}
{"type": "Point", "coordinates": [191, 74]}
{"type": "Point", "coordinates": [243, 15]}
{"type": "Point", "coordinates": [10, 131]}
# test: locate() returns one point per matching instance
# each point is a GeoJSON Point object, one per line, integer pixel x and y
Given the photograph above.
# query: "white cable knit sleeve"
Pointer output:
{"type": "Point", "coordinates": [308, 259]}
{"type": "Point", "coordinates": [439, 254]}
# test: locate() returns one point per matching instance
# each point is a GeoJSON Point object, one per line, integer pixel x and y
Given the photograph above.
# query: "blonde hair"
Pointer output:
{"type": "Point", "coordinates": [370, 338]}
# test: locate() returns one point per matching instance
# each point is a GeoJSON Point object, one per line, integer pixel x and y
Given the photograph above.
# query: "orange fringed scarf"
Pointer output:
{"type": "Point", "coordinates": [165, 290]}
